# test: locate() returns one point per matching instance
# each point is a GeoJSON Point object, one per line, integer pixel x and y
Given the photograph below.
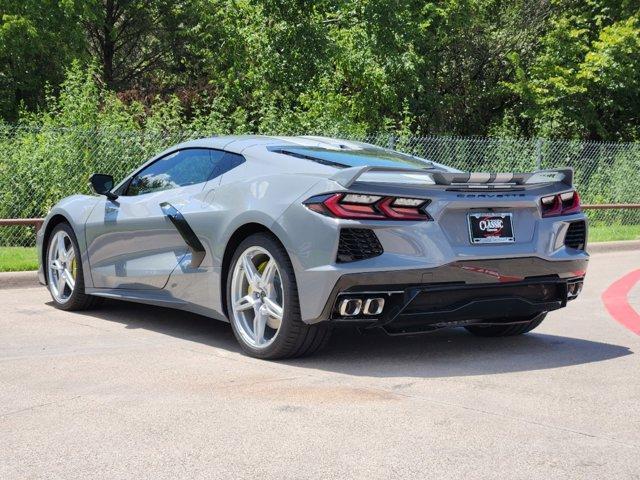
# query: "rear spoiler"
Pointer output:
{"type": "Point", "coordinates": [348, 176]}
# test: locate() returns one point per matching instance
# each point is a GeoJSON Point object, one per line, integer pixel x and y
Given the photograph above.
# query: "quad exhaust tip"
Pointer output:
{"type": "Point", "coordinates": [351, 307]}
{"type": "Point", "coordinates": [373, 306]}
{"type": "Point", "coordinates": [574, 289]}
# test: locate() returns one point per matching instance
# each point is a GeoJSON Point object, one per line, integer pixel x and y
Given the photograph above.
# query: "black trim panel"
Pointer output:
{"type": "Point", "coordinates": [426, 308]}
{"type": "Point", "coordinates": [476, 302]}
{"type": "Point", "coordinates": [186, 232]}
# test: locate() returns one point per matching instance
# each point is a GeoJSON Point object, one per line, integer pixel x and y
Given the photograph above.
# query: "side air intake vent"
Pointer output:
{"type": "Point", "coordinates": [357, 244]}
{"type": "Point", "coordinates": [576, 235]}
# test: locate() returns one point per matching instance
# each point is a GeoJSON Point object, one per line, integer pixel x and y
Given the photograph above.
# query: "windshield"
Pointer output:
{"type": "Point", "coordinates": [373, 157]}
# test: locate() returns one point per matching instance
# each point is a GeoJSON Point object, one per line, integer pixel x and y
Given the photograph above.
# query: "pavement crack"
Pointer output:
{"type": "Point", "coordinates": [40, 405]}
{"type": "Point", "coordinates": [515, 418]}
{"type": "Point", "coordinates": [257, 382]}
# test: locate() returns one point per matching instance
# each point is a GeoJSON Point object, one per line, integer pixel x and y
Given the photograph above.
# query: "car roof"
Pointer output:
{"type": "Point", "coordinates": [254, 147]}
{"type": "Point", "coordinates": [262, 147]}
{"type": "Point", "coordinates": [239, 143]}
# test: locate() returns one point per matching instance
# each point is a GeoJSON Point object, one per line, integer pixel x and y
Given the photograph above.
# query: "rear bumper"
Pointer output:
{"type": "Point", "coordinates": [429, 307]}
{"type": "Point", "coordinates": [465, 291]}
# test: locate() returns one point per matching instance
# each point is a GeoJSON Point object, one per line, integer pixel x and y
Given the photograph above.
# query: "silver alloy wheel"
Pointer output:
{"type": "Point", "coordinates": [61, 267]}
{"type": "Point", "coordinates": [257, 297]}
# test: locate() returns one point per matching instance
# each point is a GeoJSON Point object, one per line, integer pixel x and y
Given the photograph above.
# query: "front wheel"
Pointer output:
{"type": "Point", "coordinates": [63, 267]}
{"type": "Point", "coordinates": [263, 305]}
{"type": "Point", "coordinates": [508, 330]}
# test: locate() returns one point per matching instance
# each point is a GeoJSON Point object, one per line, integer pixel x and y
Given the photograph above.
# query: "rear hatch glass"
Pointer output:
{"type": "Point", "coordinates": [345, 158]}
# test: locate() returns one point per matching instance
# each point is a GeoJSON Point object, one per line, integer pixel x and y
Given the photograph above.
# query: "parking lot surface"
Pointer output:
{"type": "Point", "coordinates": [131, 391]}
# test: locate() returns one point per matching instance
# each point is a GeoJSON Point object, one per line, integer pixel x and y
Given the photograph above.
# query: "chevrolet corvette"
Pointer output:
{"type": "Point", "coordinates": [288, 238]}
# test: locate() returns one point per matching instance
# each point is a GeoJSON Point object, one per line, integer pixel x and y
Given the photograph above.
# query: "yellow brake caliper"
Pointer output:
{"type": "Point", "coordinates": [261, 268]}
{"type": "Point", "coordinates": [74, 268]}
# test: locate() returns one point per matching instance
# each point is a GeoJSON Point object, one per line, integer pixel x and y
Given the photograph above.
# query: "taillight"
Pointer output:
{"type": "Point", "coordinates": [398, 208]}
{"type": "Point", "coordinates": [355, 206]}
{"type": "Point", "coordinates": [560, 204]}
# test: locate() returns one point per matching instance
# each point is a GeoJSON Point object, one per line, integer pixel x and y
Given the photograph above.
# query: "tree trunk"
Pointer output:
{"type": "Point", "coordinates": [108, 43]}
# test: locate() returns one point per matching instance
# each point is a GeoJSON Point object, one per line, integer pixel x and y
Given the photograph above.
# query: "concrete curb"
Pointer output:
{"type": "Point", "coordinates": [30, 279]}
{"type": "Point", "coordinates": [620, 246]}
{"type": "Point", "coordinates": [18, 280]}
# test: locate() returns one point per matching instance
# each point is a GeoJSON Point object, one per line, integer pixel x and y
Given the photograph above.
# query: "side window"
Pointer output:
{"type": "Point", "coordinates": [232, 160]}
{"type": "Point", "coordinates": [178, 169]}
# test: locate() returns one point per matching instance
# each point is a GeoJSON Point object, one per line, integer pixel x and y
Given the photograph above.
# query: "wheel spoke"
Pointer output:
{"type": "Point", "coordinates": [56, 265]}
{"type": "Point", "coordinates": [62, 282]}
{"type": "Point", "coordinates": [272, 309]}
{"type": "Point", "coordinates": [71, 254]}
{"type": "Point", "coordinates": [268, 274]}
{"type": "Point", "coordinates": [250, 271]}
{"type": "Point", "coordinates": [259, 324]}
{"type": "Point", "coordinates": [62, 249]}
{"type": "Point", "coordinates": [244, 303]}
{"type": "Point", "coordinates": [55, 278]}
{"type": "Point", "coordinates": [68, 277]}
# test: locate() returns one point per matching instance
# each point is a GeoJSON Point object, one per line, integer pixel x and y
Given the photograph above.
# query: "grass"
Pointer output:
{"type": "Point", "coordinates": [609, 233]}
{"type": "Point", "coordinates": [17, 259]}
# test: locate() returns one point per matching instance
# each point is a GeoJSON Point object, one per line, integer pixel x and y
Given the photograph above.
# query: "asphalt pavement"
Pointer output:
{"type": "Point", "coordinates": [131, 391]}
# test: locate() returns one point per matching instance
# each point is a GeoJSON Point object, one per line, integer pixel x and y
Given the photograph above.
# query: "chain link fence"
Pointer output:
{"type": "Point", "coordinates": [39, 166]}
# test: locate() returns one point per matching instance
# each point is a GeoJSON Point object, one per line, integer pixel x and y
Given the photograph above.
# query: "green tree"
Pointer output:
{"type": "Point", "coordinates": [560, 68]}
{"type": "Point", "coordinates": [133, 39]}
{"type": "Point", "coordinates": [585, 81]}
{"type": "Point", "coordinates": [38, 40]}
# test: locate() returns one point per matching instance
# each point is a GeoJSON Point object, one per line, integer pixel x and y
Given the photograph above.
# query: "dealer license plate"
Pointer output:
{"type": "Point", "coordinates": [490, 227]}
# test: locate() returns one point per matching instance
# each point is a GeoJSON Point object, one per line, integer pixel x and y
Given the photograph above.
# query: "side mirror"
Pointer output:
{"type": "Point", "coordinates": [102, 185]}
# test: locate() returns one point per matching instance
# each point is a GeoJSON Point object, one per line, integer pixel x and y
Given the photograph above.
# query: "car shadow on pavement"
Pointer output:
{"type": "Point", "coordinates": [455, 352]}
{"type": "Point", "coordinates": [445, 353]}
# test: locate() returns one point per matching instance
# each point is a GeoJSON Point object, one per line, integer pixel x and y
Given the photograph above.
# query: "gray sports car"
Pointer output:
{"type": "Point", "coordinates": [289, 237]}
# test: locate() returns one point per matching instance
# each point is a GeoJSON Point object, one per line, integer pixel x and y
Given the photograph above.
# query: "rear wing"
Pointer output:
{"type": "Point", "coordinates": [348, 176]}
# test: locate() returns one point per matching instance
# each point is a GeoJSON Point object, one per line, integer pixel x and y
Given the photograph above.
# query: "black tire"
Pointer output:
{"type": "Point", "coordinates": [295, 338]}
{"type": "Point", "coordinates": [507, 330]}
{"type": "Point", "coordinates": [78, 300]}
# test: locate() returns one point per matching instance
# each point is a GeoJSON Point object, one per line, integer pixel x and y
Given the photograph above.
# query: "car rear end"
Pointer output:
{"type": "Point", "coordinates": [411, 250]}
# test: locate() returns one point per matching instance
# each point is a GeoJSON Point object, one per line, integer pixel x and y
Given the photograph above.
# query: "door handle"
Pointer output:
{"type": "Point", "coordinates": [186, 232]}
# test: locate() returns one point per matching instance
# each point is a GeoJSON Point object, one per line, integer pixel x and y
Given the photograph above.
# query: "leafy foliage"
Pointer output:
{"type": "Point", "coordinates": [585, 81]}
{"type": "Point", "coordinates": [552, 68]}
{"type": "Point", "coordinates": [87, 128]}
{"type": "Point", "coordinates": [38, 40]}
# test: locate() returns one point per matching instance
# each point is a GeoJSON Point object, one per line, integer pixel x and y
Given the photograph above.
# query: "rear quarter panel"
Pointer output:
{"type": "Point", "coordinates": [244, 195]}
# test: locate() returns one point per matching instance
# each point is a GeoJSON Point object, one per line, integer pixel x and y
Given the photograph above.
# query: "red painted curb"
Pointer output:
{"type": "Point", "coordinates": [616, 301]}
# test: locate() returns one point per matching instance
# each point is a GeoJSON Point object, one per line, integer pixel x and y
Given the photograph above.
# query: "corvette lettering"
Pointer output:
{"type": "Point", "coordinates": [490, 195]}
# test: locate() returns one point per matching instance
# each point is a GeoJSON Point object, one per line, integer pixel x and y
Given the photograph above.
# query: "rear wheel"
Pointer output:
{"type": "Point", "coordinates": [508, 330]}
{"type": "Point", "coordinates": [63, 267]}
{"type": "Point", "coordinates": [263, 305]}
